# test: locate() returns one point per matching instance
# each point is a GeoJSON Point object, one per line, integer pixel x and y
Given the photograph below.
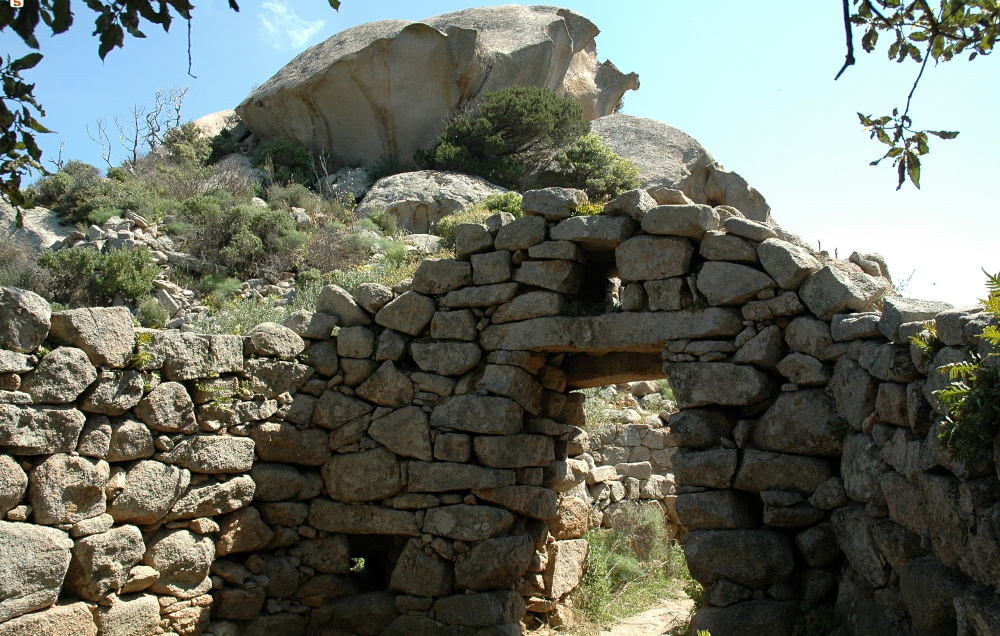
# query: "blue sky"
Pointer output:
{"type": "Point", "coordinates": [752, 81]}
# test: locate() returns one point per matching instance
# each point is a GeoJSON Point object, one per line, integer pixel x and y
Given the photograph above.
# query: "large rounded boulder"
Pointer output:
{"type": "Point", "coordinates": [385, 89]}
{"type": "Point", "coordinates": [667, 157]}
{"type": "Point", "coordinates": [420, 199]}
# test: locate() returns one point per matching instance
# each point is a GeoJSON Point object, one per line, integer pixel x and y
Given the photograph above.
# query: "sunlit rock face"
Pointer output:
{"type": "Point", "coordinates": [387, 88]}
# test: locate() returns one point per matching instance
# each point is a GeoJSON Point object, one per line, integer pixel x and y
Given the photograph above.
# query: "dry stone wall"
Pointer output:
{"type": "Point", "coordinates": [406, 460]}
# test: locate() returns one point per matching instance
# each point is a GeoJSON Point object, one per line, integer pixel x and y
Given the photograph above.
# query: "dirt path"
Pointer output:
{"type": "Point", "coordinates": [667, 618]}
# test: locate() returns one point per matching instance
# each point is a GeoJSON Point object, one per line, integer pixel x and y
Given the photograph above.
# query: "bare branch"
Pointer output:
{"type": "Point", "coordinates": [850, 41]}
{"type": "Point", "coordinates": [189, 51]}
{"type": "Point", "coordinates": [177, 96]}
{"type": "Point", "coordinates": [913, 89]}
{"type": "Point", "coordinates": [58, 162]}
{"type": "Point", "coordinates": [131, 134]}
{"type": "Point", "coordinates": [103, 140]}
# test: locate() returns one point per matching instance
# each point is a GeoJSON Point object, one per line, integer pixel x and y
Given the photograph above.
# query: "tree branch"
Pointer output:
{"type": "Point", "coordinates": [850, 41]}
{"type": "Point", "coordinates": [190, 62]}
{"type": "Point", "coordinates": [913, 89]}
{"type": "Point", "coordinates": [878, 13]}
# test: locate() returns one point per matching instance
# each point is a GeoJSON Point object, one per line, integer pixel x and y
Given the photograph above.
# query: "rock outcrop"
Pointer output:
{"type": "Point", "coordinates": [667, 158]}
{"type": "Point", "coordinates": [420, 199]}
{"type": "Point", "coordinates": [385, 89]}
{"type": "Point", "coordinates": [673, 166]}
{"type": "Point", "coordinates": [38, 228]}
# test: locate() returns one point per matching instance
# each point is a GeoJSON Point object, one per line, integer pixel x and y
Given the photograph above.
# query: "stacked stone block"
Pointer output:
{"type": "Point", "coordinates": [168, 482]}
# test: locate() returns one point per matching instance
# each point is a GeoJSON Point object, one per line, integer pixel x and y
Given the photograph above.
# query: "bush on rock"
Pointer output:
{"type": "Point", "coordinates": [511, 131]}
{"type": "Point", "coordinates": [588, 164]}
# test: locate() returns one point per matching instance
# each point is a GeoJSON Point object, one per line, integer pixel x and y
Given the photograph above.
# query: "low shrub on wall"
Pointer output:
{"type": "Point", "coordinates": [973, 397]}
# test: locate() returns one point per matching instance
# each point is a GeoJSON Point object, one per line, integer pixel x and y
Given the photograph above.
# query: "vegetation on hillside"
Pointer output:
{"type": "Point", "coordinates": [214, 213]}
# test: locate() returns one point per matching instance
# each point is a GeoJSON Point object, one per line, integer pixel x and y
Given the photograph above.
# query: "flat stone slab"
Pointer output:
{"type": "Point", "coordinates": [621, 332]}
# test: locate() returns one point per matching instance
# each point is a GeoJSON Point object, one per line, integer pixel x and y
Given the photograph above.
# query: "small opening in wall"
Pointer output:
{"type": "Point", "coordinates": [600, 290]}
{"type": "Point", "coordinates": [373, 558]}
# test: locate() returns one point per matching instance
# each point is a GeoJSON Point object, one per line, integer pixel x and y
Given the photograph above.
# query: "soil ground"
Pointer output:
{"type": "Point", "coordinates": [668, 618]}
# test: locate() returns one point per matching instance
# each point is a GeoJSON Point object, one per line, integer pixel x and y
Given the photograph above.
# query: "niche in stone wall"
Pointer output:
{"type": "Point", "coordinates": [373, 559]}
{"type": "Point", "coordinates": [600, 287]}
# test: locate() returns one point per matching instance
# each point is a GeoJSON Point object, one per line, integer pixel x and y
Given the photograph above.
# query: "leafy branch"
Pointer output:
{"type": "Point", "coordinates": [921, 33]}
{"type": "Point", "coordinates": [18, 151]}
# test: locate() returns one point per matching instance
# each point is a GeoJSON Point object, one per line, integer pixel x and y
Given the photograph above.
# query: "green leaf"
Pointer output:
{"type": "Point", "coordinates": [34, 124]}
{"type": "Point", "coordinates": [112, 37]}
{"type": "Point", "coordinates": [944, 134]}
{"type": "Point", "coordinates": [29, 143]}
{"type": "Point", "coordinates": [913, 168]}
{"type": "Point", "coordinates": [63, 17]}
{"type": "Point", "coordinates": [869, 40]}
{"type": "Point", "coordinates": [335, 4]}
{"type": "Point", "coordinates": [26, 62]}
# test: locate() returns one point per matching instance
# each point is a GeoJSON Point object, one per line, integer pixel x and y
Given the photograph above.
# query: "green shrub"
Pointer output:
{"type": "Point", "coordinates": [224, 143]}
{"type": "Point", "coordinates": [130, 272]}
{"type": "Point", "coordinates": [335, 247]}
{"type": "Point", "coordinates": [99, 216]}
{"type": "Point", "coordinates": [588, 209]}
{"type": "Point", "coordinates": [118, 174]}
{"type": "Point", "coordinates": [72, 272]}
{"type": "Point", "coordinates": [365, 224]}
{"type": "Point", "coordinates": [287, 160]}
{"type": "Point", "coordinates": [385, 221]}
{"type": "Point", "coordinates": [243, 238]}
{"type": "Point", "coordinates": [385, 167]}
{"type": "Point", "coordinates": [446, 227]}
{"type": "Point", "coordinates": [511, 131]}
{"type": "Point", "coordinates": [509, 202]}
{"type": "Point", "coordinates": [49, 189]}
{"type": "Point", "coordinates": [972, 400]}
{"type": "Point", "coordinates": [296, 195]}
{"type": "Point", "coordinates": [85, 197]}
{"type": "Point", "coordinates": [666, 393]}
{"type": "Point", "coordinates": [19, 269]}
{"type": "Point", "coordinates": [385, 272]}
{"type": "Point", "coordinates": [220, 288]}
{"type": "Point", "coordinates": [630, 567]}
{"type": "Point", "coordinates": [239, 315]}
{"type": "Point", "coordinates": [589, 164]}
{"type": "Point", "coordinates": [293, 195]}
{"type": "Point", "coordinates": [310, 276]}
{"type": "Point", "coordinates": [187, 145]}
{"type": "Point", "coordinates": [150, 313]}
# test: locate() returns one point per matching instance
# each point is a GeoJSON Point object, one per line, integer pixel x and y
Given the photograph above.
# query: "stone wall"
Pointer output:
{"type": "Point", "coordinates": [392, 463]}
{"type": "Point", "coordinates": [625, 457]}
